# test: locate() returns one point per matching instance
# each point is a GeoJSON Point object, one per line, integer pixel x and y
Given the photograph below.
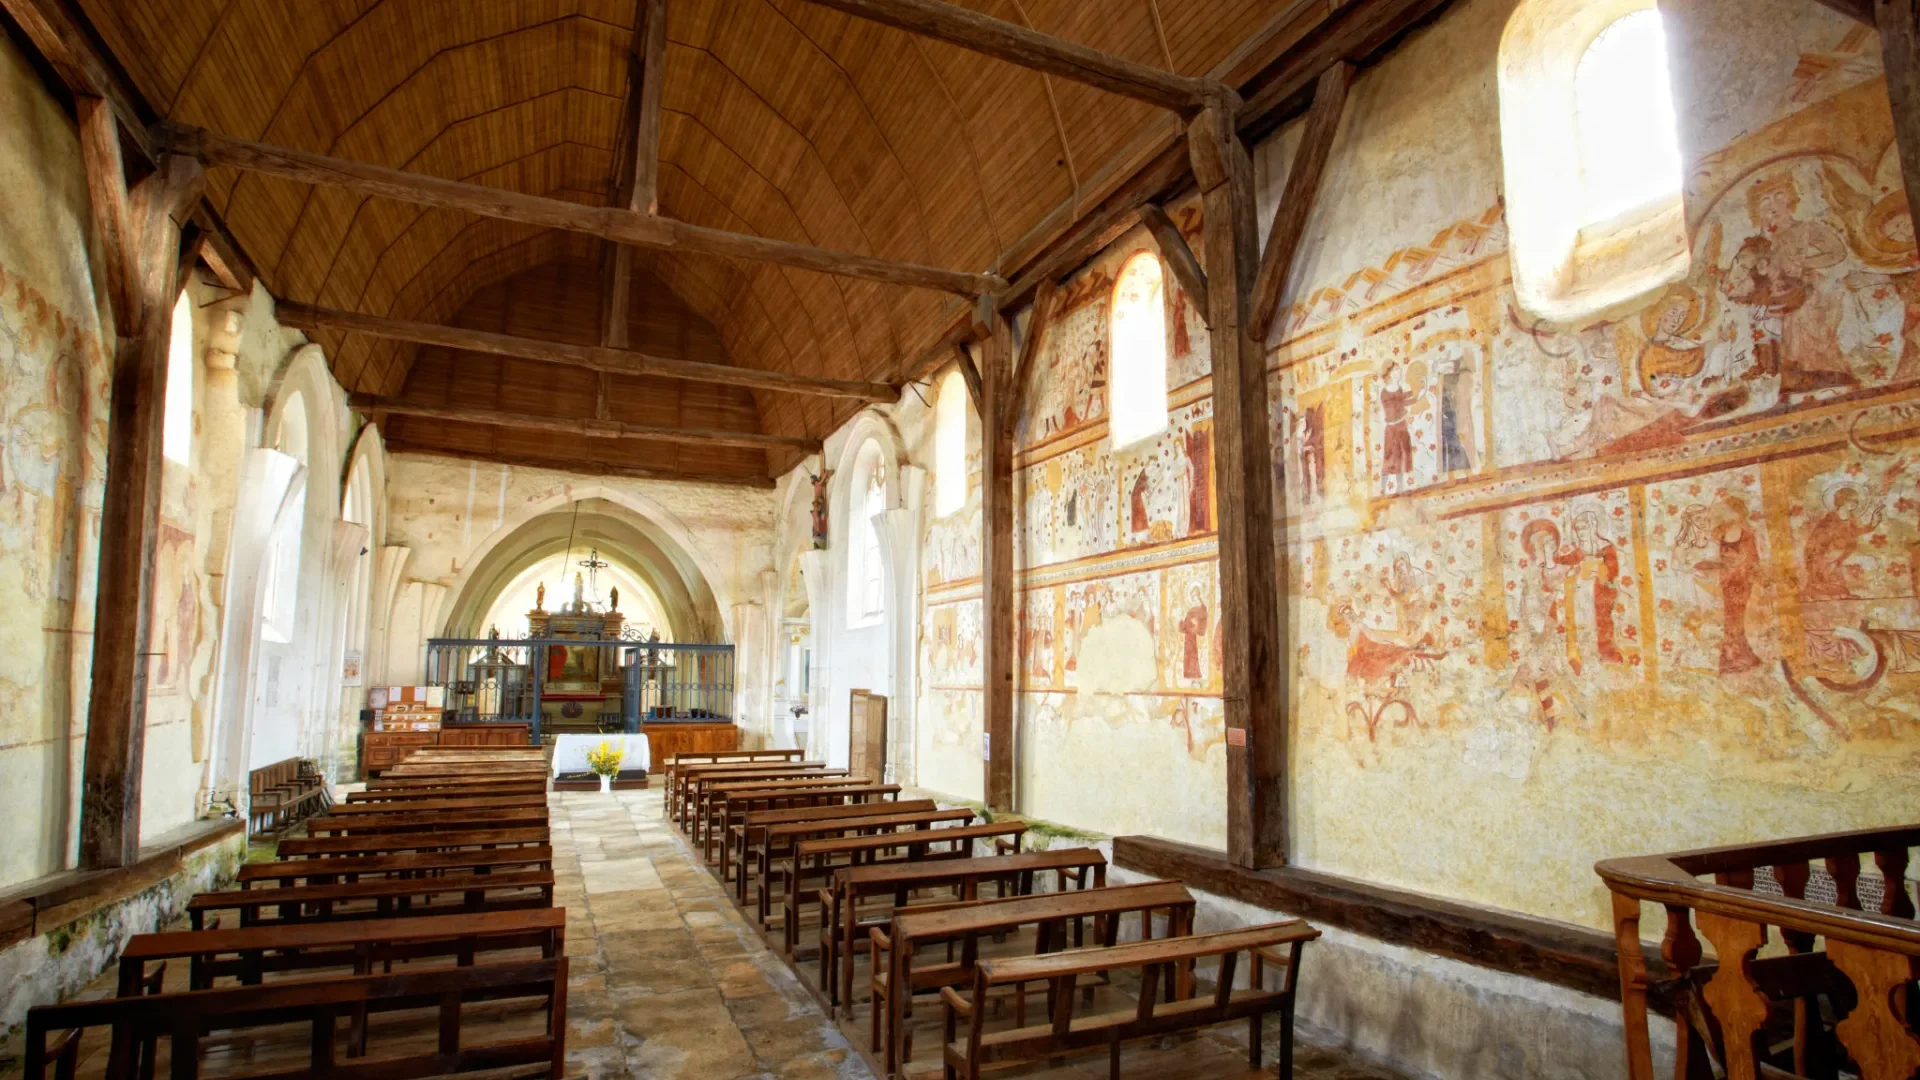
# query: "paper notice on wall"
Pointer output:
{"type": "Point", "coordinates": [350, 668]}
{"type": "Point", "coordinates": [986, 747]}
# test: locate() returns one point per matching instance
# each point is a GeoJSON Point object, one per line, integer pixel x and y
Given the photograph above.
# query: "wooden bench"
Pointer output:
{"type": "Point", "coordinates": [183, 1018]}
{"type": "Point", "coordinates": [524, 817]}
{"type": "Point", "coordinates": [780, 839]}
{"type": "Point", "coordinates": [388, 843]}
{"type": "Point", "coordinates": [434, 805]}
{"type": "Point", "coordinates": [742, 849]}
{"type": "Point", "coordinates": [725, 803]}
{"type": "Point", "coordinates": [815, 858]}
{"type": "Point", "coordinates": [841, 922]}
{"type": "Point", "coordinates": [678, 762]}
{"type": "Point", "coordinates": [379, 898]}
{"type": "Point", "coordinates": [392, 790]}
{"type": "Point", "coordinates": [461, 772]}
{"type": "Point", "coordinates": [966, 923]}
{"type": "Point", "coordinates": [280, 794]}
{"type": "Point", "coordinates": [326, 871]}
{"type": "Point", "coordinates": [694, 788]}
{"type": "Point", "coordinates": [249, 952]}
{"type": "Point", "coordinates": [1065, 1032]}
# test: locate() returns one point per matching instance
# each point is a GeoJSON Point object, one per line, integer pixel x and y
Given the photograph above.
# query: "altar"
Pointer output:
{"type": "Point", "coordinates": [581, 683]}
{"type": "Point", "coordinates": [570, 752]}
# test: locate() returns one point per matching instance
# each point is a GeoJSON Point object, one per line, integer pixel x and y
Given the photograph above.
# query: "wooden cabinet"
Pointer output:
{"type": "Point", "coordinates": [386, 748]}
{"type": "Point", "coordinates": [485, 734]}
{"type": "Point", "coordinates": [867, 735]}
{"type": "Point", "coordinates": [666, 740]}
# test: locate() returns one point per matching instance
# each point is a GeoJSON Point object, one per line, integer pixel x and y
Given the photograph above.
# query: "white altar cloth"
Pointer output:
{"type": "Point", "coordinates": [570, 752]}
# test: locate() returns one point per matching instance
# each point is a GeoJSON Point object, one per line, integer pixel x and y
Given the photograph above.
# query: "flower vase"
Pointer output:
{"type": "Point", "coordinates": [606, 783]}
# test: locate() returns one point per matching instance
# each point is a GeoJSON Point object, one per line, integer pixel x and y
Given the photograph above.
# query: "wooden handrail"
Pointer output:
{"type": "Point", "coordinates": [1658, 879]}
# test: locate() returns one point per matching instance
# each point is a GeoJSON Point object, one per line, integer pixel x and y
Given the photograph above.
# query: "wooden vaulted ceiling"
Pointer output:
{"type": "Point", "coordinates": [781, 118]}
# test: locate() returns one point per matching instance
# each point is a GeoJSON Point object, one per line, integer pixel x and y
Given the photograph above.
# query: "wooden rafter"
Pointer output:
{"type": "Point", "coordinates": [582, 466]}
{"type": "Point", "coordinates": [1031, 49]}
{"type": "Point", "coordinates": [636, 184]}
{"type": "Point", "coordinates": [1035, 339]}
{"type": "Point", "coordinates": [1899, 24]}
{"type": "Point", "coordinates": [1861, 10]}
{"type": "Point", "coordinates": [621, 226]}
{"type": "Point", "coordinates": [1175, 250]}
{"type": "Point", "coordinates": [595, 428]}
{"type": "Point", "coordinates": [1296, 200]}
{"type": "Point", "coordinates": [598, 358]}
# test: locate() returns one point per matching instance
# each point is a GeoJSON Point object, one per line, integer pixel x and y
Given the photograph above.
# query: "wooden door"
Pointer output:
{"type": "Point", "coordinates": [867, 735]}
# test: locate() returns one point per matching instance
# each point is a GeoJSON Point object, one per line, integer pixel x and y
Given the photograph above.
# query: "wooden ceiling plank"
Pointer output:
{"type": "Point", "coordinates": [1034, 50]}
{"type": "Point", "coordinates": [620, 361]}
{"type": "Point", "coordinates": [400, 444]}
{"type": "Point", "coordinates": [621, 226]}
{"type": "Point", "coordinates": [584, 428]}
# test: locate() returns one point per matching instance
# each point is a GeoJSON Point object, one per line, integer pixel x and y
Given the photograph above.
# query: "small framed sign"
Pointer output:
{"type": "Point", "coordinates": [1236, 736]}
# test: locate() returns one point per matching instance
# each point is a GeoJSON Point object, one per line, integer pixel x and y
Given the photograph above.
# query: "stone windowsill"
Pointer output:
{"type": "Point", "coordinates": [39, 906]}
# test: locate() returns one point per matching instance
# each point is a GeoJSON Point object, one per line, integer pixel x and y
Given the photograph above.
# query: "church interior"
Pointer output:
{"type": "Point", "coordinates": [803, 539]}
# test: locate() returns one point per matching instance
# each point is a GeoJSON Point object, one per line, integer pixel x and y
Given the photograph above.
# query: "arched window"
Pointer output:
{"type": "Point", "coordinates": [1592, 156]}
{"type": "Point", "coordinates": [1137, 334]}
{"type": "Point", "coordinates": [867, 497]}
{"type": "Point", "coordinates": [176, 430]}
{"type": "Point", "coordinates": [950, 445]}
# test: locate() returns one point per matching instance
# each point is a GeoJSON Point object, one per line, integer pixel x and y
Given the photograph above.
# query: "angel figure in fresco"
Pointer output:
{"type": "Point", "coordinates": [1137, 503]}
{"type": "Point", "coordinates": [1880, 235]}
{"type": "Point", "coordinates": [1311, 444]}
{"type": "Point", "coordinates": [1832, 541]}
{"type": "Point", "coordinates": [1194, 625]}
{"type": "Point", "coordinates": [1781, 273]}
{"type": "Point", "coordinates": [1725, 532]}
{"type": "Point", "coordinates": [1542, 667]}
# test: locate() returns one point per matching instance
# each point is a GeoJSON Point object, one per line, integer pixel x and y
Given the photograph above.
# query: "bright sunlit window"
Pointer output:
{"type": "Point", "coordinates": [1623, 112]}
{"type": "Point", "coordinates": [1138, 352]}
{"type": "Point", "coordinates": [176, 432]}
{"type": "Point", "coordinates": [950, 445]}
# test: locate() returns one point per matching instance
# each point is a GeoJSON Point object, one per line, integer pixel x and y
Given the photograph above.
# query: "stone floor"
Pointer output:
{"type": "Point", "coordinates": [669, 982]}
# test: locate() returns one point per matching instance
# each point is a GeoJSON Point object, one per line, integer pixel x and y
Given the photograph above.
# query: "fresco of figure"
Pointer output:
{"type": "Point", "coordinates": [1311, 446]}
{"type": "Point", "coordinates": [1880, 235]}
{"type": "Point", "coordinates": [1458, 451]}
{"type": "Point", "coordinates": [1396, 447]}
{"type": "Point", "coordinates": [1832, 541]}
{"type": "Point", "coordinates": [1193, 626]}
{"type": "Point", "coordinates": [1542, 668]}
{"type": "Point", "coordinates": [1725, 532]}
{"type": "Point", "coordinates": [1198, 444]}
{"type": "Point", "coordinates": [1782, 272]}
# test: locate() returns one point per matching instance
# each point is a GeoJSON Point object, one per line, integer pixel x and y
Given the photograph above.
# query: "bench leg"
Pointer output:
{"type": "Point", "coordinates": [1286, 1040]}
{"type": "Point", "coordinates": [1113, 1060]}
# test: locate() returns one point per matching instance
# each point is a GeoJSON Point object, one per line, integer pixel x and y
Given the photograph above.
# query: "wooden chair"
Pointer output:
{"type": "Point", "coordinates": [183, 1018]}
{"type": "Point", "coordinates": [1065, 1032]}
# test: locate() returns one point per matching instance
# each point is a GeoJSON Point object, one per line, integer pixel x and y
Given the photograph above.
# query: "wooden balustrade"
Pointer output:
{"type": "Point", "coordinates": [1830, 992]}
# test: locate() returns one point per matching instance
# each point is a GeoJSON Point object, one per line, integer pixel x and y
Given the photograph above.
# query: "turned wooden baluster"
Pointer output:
{"type": "Point", "coordinates": [1681, 950]}
{"type": "Point", "coordinates": [1793, 878]}
{"type": "Point", "coordinates": [1876, 1031]}
{"type": "Point", "coordinates": [1633, 984]}
{"type": "Point", "coordinates": [1894, 900]}
{"type": "Point", "coordinates": [1736, 1001]}
{"type": "Point", "coordinates": [1846, 880]}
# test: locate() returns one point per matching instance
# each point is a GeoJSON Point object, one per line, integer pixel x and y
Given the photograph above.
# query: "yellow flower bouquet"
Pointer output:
{"type": "Point", "coordinates": [604, 759]}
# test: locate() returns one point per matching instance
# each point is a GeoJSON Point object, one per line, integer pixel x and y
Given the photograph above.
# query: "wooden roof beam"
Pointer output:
{"type": "Point", "coordinates": [1031, 49]}
{"type": "Point", "coordinates": [581, 428]}
{"type": "Point", "coordinates": [580, 466]}
{"type": "Point", "coordinates": [598, 358]}
{"type": "Point", "coordinates": [1858, 10]}
{"type": "Point", "coordinates": [1296, 199]}
{"type": "Point", "coordinates": [636, 183]}
{"type": "Point", "coordinates": [612, 223]}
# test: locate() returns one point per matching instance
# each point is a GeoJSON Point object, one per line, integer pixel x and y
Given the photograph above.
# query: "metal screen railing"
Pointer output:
{"type": "Point", "coordinates": [506, 680]}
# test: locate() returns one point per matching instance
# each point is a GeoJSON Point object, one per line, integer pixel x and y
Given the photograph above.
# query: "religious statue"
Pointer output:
{"type": "Point", "coordinates": [579, 593]}
{"type": "Point", "coordinates": [540, 597]}
{"type": "Point", "coordinates": [613, 598]}
{"type": "Point", "coordinates": [820, 508]}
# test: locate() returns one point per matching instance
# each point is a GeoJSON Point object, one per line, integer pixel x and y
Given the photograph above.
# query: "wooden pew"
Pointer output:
{"type": "Point", "coordinates": [325, 871]}
{"type": "Point", "coordinates": [696, 785]}
{"type": "Point", "coordinates": [524, 817]}
{"type": "Point", "coordinates": [840, 918]}
{"type": "Point", "coordinates": [1065, 1032]}
{"type": "Point", "coordinates": [456, 771]}
{"type": "Point", "coordinates": [379, 898]}
{"type": "Point", "coordinates": [743, 842]}
{"type": "Point", "coordinates": [880, 818]}
{"type": "Point", "coordinates": [428, 804]}
{"type": "Point", "coordinates": [387, 843]}
{"type": "Point", "coordinates": [814, 858]}
{"type": "Point", "coordinates": [282, 793]}
{"type": "Point", "coordinates": [677, 762]}
{"type": "Point", "coordinates": [184, 1017]}
{"type": "Point", "coordinates": [679, 777]}
{"type": "Point", "coordinates": [966, 923]}
{"type": "Point", "coordinates": [720, 804]}
{"type": "Point", "coordinates": [387, 790]}
{"type": "Point", "coordinates": [248, 952]}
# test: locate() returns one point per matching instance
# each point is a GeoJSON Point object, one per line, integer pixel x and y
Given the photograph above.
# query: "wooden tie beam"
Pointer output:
{"type": "Point", "coordinates": [595, 428]}
{"type": "Point", "coordinates": [601, 222]}
{"type": "Point", "coordinates": [618, 361]}
{"type": "Point", "coordinates": [637, 182]}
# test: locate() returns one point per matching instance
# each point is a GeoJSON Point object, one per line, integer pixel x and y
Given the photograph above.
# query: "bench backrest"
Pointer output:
{"type": "Point", "coordinates": [323, 1003]}
{"type": "Point", "coordinates": [408, 841]}
{"type": "Point", "coordinates": [891, 820]}
{"type": "Point", "coordinates": [466, 859]}
{"type": "Point", "coordinates": [845, 844]}
{"type": "Point", "coordinates": [436, 821]}
{"type": "Point", "coordinates": [992, 916]}
{"type": "Point", "coordinates": [757, 818]}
